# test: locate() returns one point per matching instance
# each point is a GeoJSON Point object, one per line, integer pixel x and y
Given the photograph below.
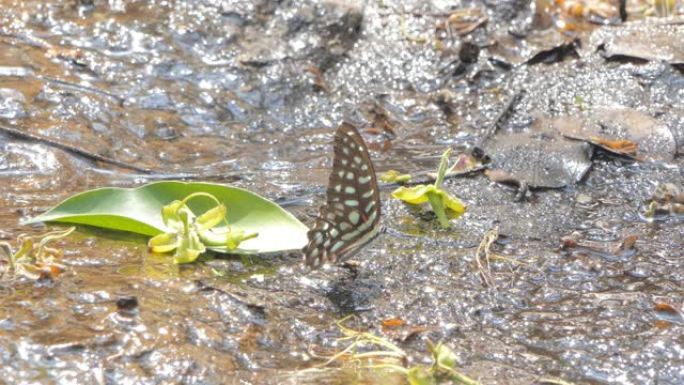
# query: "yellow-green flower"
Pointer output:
{"type": "Point", "coordinates": [439, 199]}
{"type": "Point", "coordinates": [189, 236]}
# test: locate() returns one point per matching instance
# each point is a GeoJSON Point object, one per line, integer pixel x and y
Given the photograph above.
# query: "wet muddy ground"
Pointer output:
{"type": "Point", "coordinates": [250, 92]}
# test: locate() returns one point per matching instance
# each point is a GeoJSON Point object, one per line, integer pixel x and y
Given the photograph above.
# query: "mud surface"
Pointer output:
{"type": "Point", "coordinates": [249, 93]}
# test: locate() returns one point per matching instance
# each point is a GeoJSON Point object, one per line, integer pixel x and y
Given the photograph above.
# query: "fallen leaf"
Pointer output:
{"type": "Point", "coordinates": [318, 78]}
{"type": "Point", "coordinates": [662, 324]}
{"type": "Point", "coordinates": [621, 130]}
{"type": "Point", "coordinates": [575, 245]}
{"type": "Point", "coordinates": [666, 308]}
{"type": "Point", "coordinates": [629, 242]}
{"type": "Point", "coordinates": [648, 39]}
{"type": "Point", "coordinates": [667, 313]}
{"type": "Point", "coordinates": [392, 322]}
{"type": "Point", "coordinates": [537, 160]}
{"type": "Point", "coordinates": [464, 21]}
{"type": "Point", "coordinates": [620, 146]}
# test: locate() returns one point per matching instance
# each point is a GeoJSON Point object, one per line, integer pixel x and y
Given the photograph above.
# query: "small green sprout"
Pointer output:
{"type": "Point", "coordinates": [579, 103]}
{"type": "Point", "coordinates": [189, 235]}
{"type": "Point", "coordinates": [419, 375]}
{"type": "Point", "coordinates": [664, 8]}
{"type": "Point", "coordinates": [444, 362]}
{"type": "Point", "coordinates": [393, 176]}
{"type": "Point", "coordinates": [389, 356]}
{"type": "Point", "coordinates": [439, 199]}
{"type": "Point", "coordinates": [34, 261]}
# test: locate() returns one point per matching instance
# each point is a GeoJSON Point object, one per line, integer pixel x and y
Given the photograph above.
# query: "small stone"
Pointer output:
{"type": "Point", "coordinates": [11, 104]}
{"type": "Point", "coordinates": [127, 305]}
{"type": "Point", "coordinates": [583, 199]}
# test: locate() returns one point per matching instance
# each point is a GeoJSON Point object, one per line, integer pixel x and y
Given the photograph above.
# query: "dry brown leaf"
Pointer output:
{"type": "Point", "coordinates": [666, 308]}
{"type": "Point", "coordinates": [392, 322]}
{"type": "Point", "coordinates": [621, 146]}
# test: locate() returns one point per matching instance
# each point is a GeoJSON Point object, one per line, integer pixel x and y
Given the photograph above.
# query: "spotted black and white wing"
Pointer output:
{"type": "Point", "coordinates": [351, 215]}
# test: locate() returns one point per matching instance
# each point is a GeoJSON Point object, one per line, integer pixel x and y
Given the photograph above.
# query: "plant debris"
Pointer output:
{"type": "Point", "coordinates": [574, 244]}
{"type": "Point", "coordinates": [34, 259]}
{"type": "Point", "coordinates": [377, 353]}
{"type": "Point", "coordinates": [668, 199]}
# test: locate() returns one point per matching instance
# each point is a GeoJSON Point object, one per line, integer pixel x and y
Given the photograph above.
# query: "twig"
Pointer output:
{"type": "Point", "coordinates": [74, 150]}
{"type": "Point", "coordinates": [142, 171]}
{"type": "Point", "coordinates": [81, 88]}
{"type": "Point", "coordinates": [483, 257]}
{"type": "Point", "coordinates": [503, 117]}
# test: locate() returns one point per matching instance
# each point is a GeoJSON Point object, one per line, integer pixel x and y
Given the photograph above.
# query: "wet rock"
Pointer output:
{"type": "Point", "coordinates": [199, 119]}
{"type": "Point", "coordinates": [15, 71]}
{"type": "Point", "coordinates": [537, 160]}
{"type": "Point", "coordinates": [675, 119]}
{"type": "Point", "coordinates": [137, 129]}
{"type": "Point", "coordinates": [320, 33]}
{"type": "Point", "coordinates": [351, 296]}
{"type": "Point", "coordinates": [509, 9]}
{"type": "Point", "coordinates": [164, 131]}
{"type": "Point", "coordinates": [583, 199]}
{"type": "Point", "coordinates": [11, 104]}
{"type": "Point", "coordinates": [227, 266]}
{"type": "Point", "coordinates": [156, 99]}
{"type": "Point", "coordinates": [100, 128]}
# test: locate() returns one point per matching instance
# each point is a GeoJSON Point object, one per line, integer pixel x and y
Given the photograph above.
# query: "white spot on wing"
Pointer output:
{"type": "Point", "coordinates": [354, 217]}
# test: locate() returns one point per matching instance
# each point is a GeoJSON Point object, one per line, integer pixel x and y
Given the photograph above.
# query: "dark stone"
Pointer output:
{"type": "Point", "coordinates": [469, 53]}
{"type": "Point", "coordinates": [353, 296]}
{"type": "Point", "coordinates": [127, 304]}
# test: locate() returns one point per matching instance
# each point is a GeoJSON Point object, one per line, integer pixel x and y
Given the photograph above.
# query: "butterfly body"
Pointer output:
{"type": "Point", "coordinates": [351, 215]}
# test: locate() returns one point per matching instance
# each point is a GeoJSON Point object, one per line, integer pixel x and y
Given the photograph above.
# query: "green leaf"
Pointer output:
{"type": "Point", "coordinates": [452, 203]}
{"type": "Point", "coordinates": [444, 357]}
{"type": "Point", "coordinates": [415, 195]}
{"type": "Point", "coordinates": [419, 194]}
{"type": "Point", "coordinates": [138, 210]}
{"type": "Point", "coordinates": [418, 375]}
{"type": "Point", "coordinates": [443, 165]}
{"type": "Point", "coordinates": [439, 199]}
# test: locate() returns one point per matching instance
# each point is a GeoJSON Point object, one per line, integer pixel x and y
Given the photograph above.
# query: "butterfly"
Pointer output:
{"type": "Point", "coordinates": [350, 217]}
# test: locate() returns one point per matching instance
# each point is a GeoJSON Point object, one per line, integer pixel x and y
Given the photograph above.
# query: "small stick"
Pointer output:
{"type": "Point", "coordinates": [504, 115]}
{"type": "Point", "coordinates": [482, 257]}
{"type": "Point", "coordinates": [74, 150]}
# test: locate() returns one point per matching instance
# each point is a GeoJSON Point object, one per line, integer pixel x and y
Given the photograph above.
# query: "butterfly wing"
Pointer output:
{"type": "Point", "coordinates": [350, 217]}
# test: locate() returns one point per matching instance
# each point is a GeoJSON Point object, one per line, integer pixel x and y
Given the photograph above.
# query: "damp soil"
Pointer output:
{"type": "Point", "coordinates": [116, 93]}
